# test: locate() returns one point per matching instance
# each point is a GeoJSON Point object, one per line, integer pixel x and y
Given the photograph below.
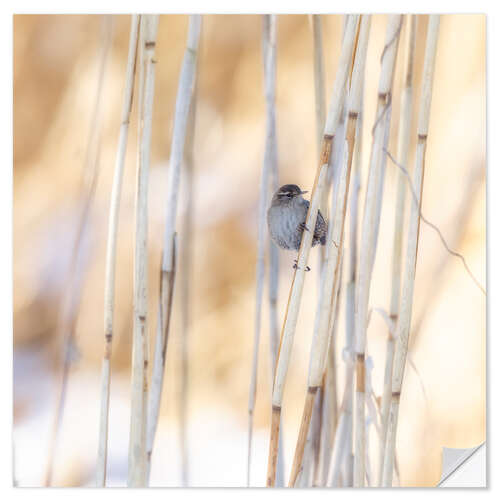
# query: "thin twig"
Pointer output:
{"type": "Point", "coordinates": [433, 226]}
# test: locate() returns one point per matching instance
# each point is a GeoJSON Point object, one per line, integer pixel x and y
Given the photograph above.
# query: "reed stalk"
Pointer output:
{"type": "Point", "coordinates": [351, 290]}
{"type": "Point", "coordinates": [109, 287]}
{"type": "Point", "coordinates": [313, 440]}
{"type": "Point", "coordinates": [329, 417]}
{"type": "Point", "coordinates": [321, 336]}
{"type": "Point", "coordinates": [402, 155]}
{"type": "Point", "coordinates": [66, 323]}
{"type": "Point", "coordinates": [406, 300]}
{"type": "Point", "coordinates": [269, 63]}
{"type": "Point", "coordinates": [369, 235]}
{"type": "Point", "coordinates": [273, 249]}
{"type": "Point", "coordinates": [167, 278]}
{"type": "Point", "coordinates": [319, 101]}
{"type": "Point", "coordinates": [296, 288]}
{"type": "Point", "coordinates": [140, 350]}
{"type": "Point", "coordinates": [186, 262]}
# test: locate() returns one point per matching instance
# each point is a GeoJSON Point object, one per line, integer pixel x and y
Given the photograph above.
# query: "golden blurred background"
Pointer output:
{"type": "Point", "coordinates": [56, 59]}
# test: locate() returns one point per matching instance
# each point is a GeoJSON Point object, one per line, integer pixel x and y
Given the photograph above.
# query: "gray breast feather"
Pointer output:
{"type": "Point", "coordinates": [284, 224]}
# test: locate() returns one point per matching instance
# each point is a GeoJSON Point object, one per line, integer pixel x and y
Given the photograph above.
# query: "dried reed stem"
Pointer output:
{"type": "Point", "coordinates": [274, 339]}
{"type": "Point", "coordinates": [295, 296]}
{"type": "Point", "coordinates": [71, 298]}
{"type": "Point", "coordinates": [402, 155]}
{"type": "Point", "coordinates": [351, 291]}
{"type": "Point", "coordinates": [269, 60]}
{"type": "Point", "coordinates": [320, 113]}
{"type": "Point", "coordinates": [406, 301]}
{"type": "Point", "coordinates": [369, 235]}
{"type": "Point", "coordinates": [182, 107]}
{"type": "Point", "coordinates": [140, 350]}
{"type": "Point", "coordinates": [321, 337]}
{"type": "Point", "coordinates": [329, 408]}
{"type": "Point", "coordinates": [185, 271]}
{"type": "Point", "coordinates": [319, 100]}
{"type": "Point", "coordinates": [109, 287]}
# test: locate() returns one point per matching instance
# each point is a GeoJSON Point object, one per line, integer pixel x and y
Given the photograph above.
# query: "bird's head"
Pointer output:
{"type": "Point", "coordinates": [288, 192]}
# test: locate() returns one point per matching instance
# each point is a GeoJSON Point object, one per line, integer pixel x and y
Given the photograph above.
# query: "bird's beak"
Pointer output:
{"type": "Point", "coordinates": [304, 192]}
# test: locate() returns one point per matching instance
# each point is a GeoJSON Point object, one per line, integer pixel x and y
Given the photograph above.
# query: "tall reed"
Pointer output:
{"type": "Point", "coordinates": [406, 300]}
{"type": "Point", "coordinates": [269, 64]}
{"type": "Point", "coordinates": [402, 155]}
{"type": "Point", "coordinates": [368, 237]}
{"type": "Point", "coordinates": [182, 107]}
{"type": "Point", "coordinates": [329, 407]}
{"type": "Point", "coordinates": [274, 335]}
{"type": "Point", "coordinates": [186, 262]}
{"type": "Point", "coordinates": [321, 337]}
{"type": "Point", "coordinates": [140, 354]}
{"type": "Point", "coordinates": [320, 114]}
{"type": "Point", "coordinates": [70, 300]}
{"type": "Point", "coordinates": [114, 212]}
{"type": "Point", "coordinates": [295, 295]}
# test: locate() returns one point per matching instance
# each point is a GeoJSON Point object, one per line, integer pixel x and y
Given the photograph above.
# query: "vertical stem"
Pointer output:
{"type": "Point", "coordinates": [406, 301]}
{"type": "Point", "coordinates": [320, 112]}
{"type": "Point", "coordinates": [319, 101]}
{"type": "Point", "coordinates": [182, 107]}
{"type": "Point", "coordinates": [402, 155]}
{"type": "Point", "coordinates": [330, 409]}
{"type": "Point", "coordinates": [71, 297]}
{"type": "Point", "coordinates": [326, 303]}
{"type": "Point", "coordinates": [140, 355]}
{"type": "Point", "coordinates": [269, 53]}
{"type": "Point", "coordinates": [186, 266]}
{"type": "Point", "coordinates": [114, 211]}
{"type": "Point", "coordinates": [294, 299]}
{"type": "Point", "coordinates": [369, 236]}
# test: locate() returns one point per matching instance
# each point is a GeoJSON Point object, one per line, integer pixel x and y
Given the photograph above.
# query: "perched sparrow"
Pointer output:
{"type": "Point", "coordinates": [286, 218]}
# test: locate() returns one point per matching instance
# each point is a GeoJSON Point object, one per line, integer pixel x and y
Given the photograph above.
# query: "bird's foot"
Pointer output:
{"type": "Point", "coordinates": [303, 227]}
{"type": "Point", "coordinates": [296, 267]}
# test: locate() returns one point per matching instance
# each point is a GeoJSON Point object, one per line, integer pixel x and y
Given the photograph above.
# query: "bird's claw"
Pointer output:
{"type": "Point", "coordinates": [296, 267]}
{"type": "Point", "coordinates": [303, 226]}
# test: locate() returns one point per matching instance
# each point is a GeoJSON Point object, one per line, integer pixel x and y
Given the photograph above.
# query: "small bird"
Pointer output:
{"type": "Point", "coordinates": [286, 219]}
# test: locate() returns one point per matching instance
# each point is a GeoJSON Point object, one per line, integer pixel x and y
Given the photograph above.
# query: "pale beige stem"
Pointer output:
{"type": "Point", "coordinates": [326, 303]}
{"type": "Point", "coordinates": [406, 301]}
{"type": "Point", "coordinates": [181, 117]}
{"type": "Point", "coordinates": [330, 409]}
{"type": "Point", "coordinates": [402, 155]}
{"type": "Point", "coordinates": [369, 235]}
{"type": "Point", "coordinates": [185, 271]}
{"type": "Point", "coordinates": [294, 299]}
{"type": "Point", "coordinates": [66, 322]}
{"type": "Point", "coordinates": [140, 349]}
{"type": "Point", "coordinates": [109, 287]}
{"type": "Point", "coordinates": [269, 63]}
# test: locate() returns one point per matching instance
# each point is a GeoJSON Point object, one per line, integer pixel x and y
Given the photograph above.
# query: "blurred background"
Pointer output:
{"type": "Point", "coordinates": [56, 67]}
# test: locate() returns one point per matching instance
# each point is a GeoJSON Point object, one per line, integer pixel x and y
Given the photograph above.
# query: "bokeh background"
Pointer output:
{"type": "Point", "coordinates": [56, 60]}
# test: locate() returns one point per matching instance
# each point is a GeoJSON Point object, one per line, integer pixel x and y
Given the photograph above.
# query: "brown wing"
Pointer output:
{"type": "Point", "coordinates": [321, 229]}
